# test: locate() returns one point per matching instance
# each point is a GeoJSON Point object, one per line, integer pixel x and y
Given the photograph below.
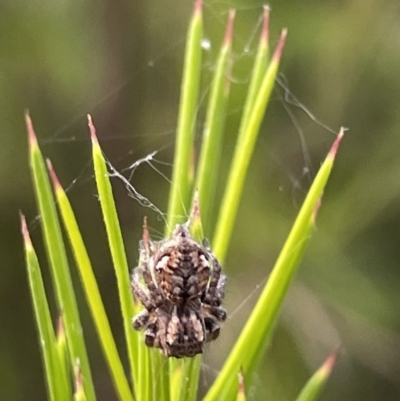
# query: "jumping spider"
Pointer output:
{"type": "Point", "coordinates": [182, 293]}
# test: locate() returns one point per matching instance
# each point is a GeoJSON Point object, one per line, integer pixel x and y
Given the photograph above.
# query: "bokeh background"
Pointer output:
{"type": "Point", "coordinates": [121, 61]}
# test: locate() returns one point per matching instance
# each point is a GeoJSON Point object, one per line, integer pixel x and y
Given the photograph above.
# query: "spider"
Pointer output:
{"type": "Point", "coordinates": [180, 285]}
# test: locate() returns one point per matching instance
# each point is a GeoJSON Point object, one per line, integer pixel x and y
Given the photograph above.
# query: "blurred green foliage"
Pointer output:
{"type": "Point", "coordinates": [121, 61]}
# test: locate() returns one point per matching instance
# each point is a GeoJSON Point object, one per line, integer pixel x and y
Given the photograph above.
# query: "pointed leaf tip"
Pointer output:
{"type": "Point", "coordinates": [61, 334]}
{"type": "Point", "coordinates": [194, 222]}
{"type": "Point", "coordinates": [279, 48]}
{"type": "Point", "coordinates": [92, 130]}
{"type": "Point", "coordinates": [330, 362]}
{"type": "Point", "coordinates": [335, 146]}
{"type": "Point", "coordinates": [196, 206]}
{"type": "Point", "coordinates": [198, 6]}
{"type": "Point", "coordinates": [265, 27]}
{"type": "Point", "coordinates": [241, 382]}
{"type": "Point", "coordinates": [79, 394]}
{"type": "Point", "coordinates": [29, 127]}
{"type": "Point", "coordinates": [241, 395]}
{"type": "Point", "coordinates": [145, 234]}
{"type": "Point", "coordinates": [24, 231]}
{"type": "Point", "coordinates": [229, 27]}
{"type": "Point", "coordinates": [53, 175]}
{"type": "Point", "coordinates": [317, 381]}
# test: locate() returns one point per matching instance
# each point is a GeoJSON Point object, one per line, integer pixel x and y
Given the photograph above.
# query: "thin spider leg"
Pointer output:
{"type": "Point", "coordinates": [212, 328]}
{"type": "Point", "coordinates": [146, 273]}
{"type": "Point", "coordinates": [141, 320]}
{"type": "Point", "coordinates": [151, 333]}
{"type": "Point", "coordinates": [212, 291]}
{"type": "Point", "coordinates": [221, 288]}
{"type": "Point", "coordinates": [216, 288]}
{"type": "Point", "coordinates": [140, 293]}
{"type": "Point", "coordinates": [216, 311]}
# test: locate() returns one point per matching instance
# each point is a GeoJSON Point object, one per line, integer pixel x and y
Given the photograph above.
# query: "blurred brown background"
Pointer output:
{"type": "Point", "coordinates": [121, 61]}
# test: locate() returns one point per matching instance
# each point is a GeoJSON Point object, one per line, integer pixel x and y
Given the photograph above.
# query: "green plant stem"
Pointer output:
{"type": "Point", "coordinates": [182, 175]}
{"type": "Point", "coordinates": [258, 329]}
{"type": "Point", "coordinates": [57, 380]}
{"type": "Point", "coordinates": [118, 254]}
{"type": "Point", "coordinates": [58, 262]}
{"type": "Point", "coordinates": [91, 291]}
{"type": "Point", "coordinates": [244, 150]}
{"type": "Point", "coordinates": [206, 177]}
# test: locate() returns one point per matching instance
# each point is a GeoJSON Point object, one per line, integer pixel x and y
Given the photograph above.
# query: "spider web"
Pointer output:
{"type": "Point", "coordinates": [155, 157]}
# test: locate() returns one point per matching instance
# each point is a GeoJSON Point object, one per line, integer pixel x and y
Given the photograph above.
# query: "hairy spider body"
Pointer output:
{"type": "Point", "coordinates": [182, 293]}
{"type": "Point", "coordinates": [182, 271]}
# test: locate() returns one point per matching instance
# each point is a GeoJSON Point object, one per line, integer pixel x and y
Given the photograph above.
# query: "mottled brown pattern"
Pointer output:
{"type": "Point", "coordinates": [179, 282]}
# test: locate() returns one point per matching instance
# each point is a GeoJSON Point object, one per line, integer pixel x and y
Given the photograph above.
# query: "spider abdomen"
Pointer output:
{"type": "Point", "coordinates": [183, 273]}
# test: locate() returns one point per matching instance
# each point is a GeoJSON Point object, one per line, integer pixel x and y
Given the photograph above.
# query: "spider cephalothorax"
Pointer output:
{"type": "Point", "coordinates": [179, 282]}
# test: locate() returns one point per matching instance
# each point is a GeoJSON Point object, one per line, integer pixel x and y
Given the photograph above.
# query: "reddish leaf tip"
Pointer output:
{"type": "Point", "coordinates": [29, 127]}
{"type": "Point", "coordinates": [196, 206]}
{"type": "Point", "coordinates": [316, 209]}
{"type": "Point", "coordinates": [92, 130]}
{"type": "Point", "coordinates": [145, 235]}
{"type": "Point", "coordinates": [330, 362]}
{"type": "Point", "coordinates": [241, 388]}
{"type": "Point", "coordinates": [53, 175]}
{"type": "Point", "coordinates": [25, 231]}
{"type": "Point", "coordinates": [60, 327]}
{"type": "Point", "coordinates": [279, 48]}
{"type": "Point", "coordinates": [336, 144]}
{"type": "Point", "coordinates": [229, 27]}
{"type": "Point", "coordinates": [198, 6]}
{"type": "Point", "coordinates": [265, 26]}
{"type": "Point", "coordinates": [78, 377]}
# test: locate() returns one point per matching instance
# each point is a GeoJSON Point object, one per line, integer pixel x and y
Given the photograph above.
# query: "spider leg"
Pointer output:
{"type": "Point", "coordinates": [150, 335]}
{"type": "Point", "coordinates": [146, 273]}
{"type": "Point", "coordinates": [141, 319]}
{"type": "Point", "coordinates": [220, 293]}
{"type": "Point", "coordinates": [215, 311]}
{"type": "Point", "coordinates": [211, 296]}
{"type": "Point", "coordinates": [139, 292]}
{"type": "Point", "coordinates": [212, 329]}
{"type": "Point", "coordinates": [215, 292]}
